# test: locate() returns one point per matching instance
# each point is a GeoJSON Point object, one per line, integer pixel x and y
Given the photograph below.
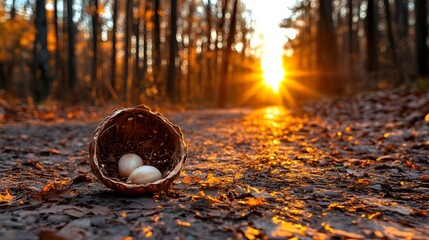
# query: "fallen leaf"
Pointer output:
{"type": "Point", "coordinates": [374, 215]}
{"type": "Point", "coordinates": [286, 229]}
{"type": "Point", "coordinates": [336, 205]}
{"type": "Point", "coordinates": [49, 152]}
{"type": "Point", "coordinates": [52, 190]}
{"type": "Point", "coordinates": [343, 233]}
{"type": "Point", "coordinates": [211, 180]}
{"type": "Point", "coordinates": [251, 233]}
{"type": "Point", "coordinates": [254, 202]}
{"type": "Point", "coordinates": [191, 180]}
{"type": "Point", "coordinates": [35, 164]}
{"type": "Point", "coordinates": [183, 223]}
{"type": "Point", "coordinates": [6, 197]}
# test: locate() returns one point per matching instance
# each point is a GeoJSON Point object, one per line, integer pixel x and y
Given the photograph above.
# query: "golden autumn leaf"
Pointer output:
{"type": "Point", "coordinates": [374, 215]}
{"type": "Point", "coordinates": [286, 229]}
{"type": "Point", "coordinates": [53, 190]}
{"type": "Point", "coordinates": [254, 202]}
{"type": "Point", "coordinates": [336, 205]}
{"type": "Point", "coordinates": [251, 233]}
{"type": "Point", "coordinates": [6, 197]}
{"type": "Point", "coordinates": [190, 180]}
{"type": "Point", "coordinates": [211, 180]}
{"type": "Point", "coordinates": [183, 223]}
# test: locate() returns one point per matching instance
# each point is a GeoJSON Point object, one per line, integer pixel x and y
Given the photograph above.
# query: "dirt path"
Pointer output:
{"type": "Point", "coordinates": [348, 170]}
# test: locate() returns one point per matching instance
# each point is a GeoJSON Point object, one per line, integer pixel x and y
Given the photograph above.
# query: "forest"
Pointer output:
{"type": "Point", "coordinates": [194, 53]}
{"type": "Point", "coordinates": [211, 119]}
{"type": "Point", "coordinates": [125, 51]}
{"type": "Point", "coordinates": [360, 45]}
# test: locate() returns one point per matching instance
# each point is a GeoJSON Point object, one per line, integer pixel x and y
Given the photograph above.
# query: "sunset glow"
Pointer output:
{"type": "Point", "coordinates": [273, 72]}
{"type": "Point", "coordinates": [271, 38]}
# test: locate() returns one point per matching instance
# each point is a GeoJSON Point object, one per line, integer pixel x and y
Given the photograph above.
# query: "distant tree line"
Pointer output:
{"type": "Point", "coordinates": [133, 51]}
{"type": "Point", "coordinates": [348, 45]}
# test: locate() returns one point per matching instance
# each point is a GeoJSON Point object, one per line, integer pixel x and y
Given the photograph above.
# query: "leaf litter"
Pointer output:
{"type": "Point", "coordinates": [350, 168]}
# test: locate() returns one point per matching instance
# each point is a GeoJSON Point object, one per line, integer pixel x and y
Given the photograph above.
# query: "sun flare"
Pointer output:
{"type": "Point", "coordinates": [273, 72]}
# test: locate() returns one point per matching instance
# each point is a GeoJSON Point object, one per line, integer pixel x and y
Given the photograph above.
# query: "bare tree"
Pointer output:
{"type": "Point", "coordinates": [95, 23]}
{"type": "Point", "coordinates": [223, 87]}
{"type": "Point", "coordinates": [72, 84]}
{"type": "Point", "coordinates": [145, 38]}
{"type": "Point", "coordinates": [209, 60]}
{"type": "Point", "coordinates": [11, 64]}
{"type": "Point", "coordinates": [421, 36]}
{"type": "Point", "coordinates": [157, 40]}
{"type": "Point", "coordinates": [138, 73]}
{"type": "Point", "coordinates": [220, 29]}
{"type": "Point", "coordinates": [371, 36]}
{"type": "Point", "coordinates": [171, 81]}
{"type": "Point", "coordinates": [350, 28]}
{"type": "Point", "coordinates": [42, 79]}
{"type": "Point", "coordinates": [13, 9]}
{"type": "Point", "coordinates": [402, 18]}
{"type": "Point", "coordinates": [58, 59]}
{"type": "Point", "coordinates": [126, 78]}
{"type": "Point", "coordinates": [390, 37]}
{"type": "Point", "coordinates": [326, 49]}
{"type": "Point", "coordinates": [114, 30]}
{"type": "Point", "coordinates": [190, 46]}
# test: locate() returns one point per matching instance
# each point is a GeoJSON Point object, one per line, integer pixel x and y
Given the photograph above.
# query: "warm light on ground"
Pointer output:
{"type": "Point", "coordinates": [273, 72]}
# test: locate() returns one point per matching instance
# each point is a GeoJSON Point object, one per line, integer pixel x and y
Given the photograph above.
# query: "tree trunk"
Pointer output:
{"type": "Point", "coordinates": [371, 36]}
{"type": "Point", "coordinates": [171, 83]}
{"type": "Point", "coordinates": [219, 35]}
{"type": "Point", "coordinates": [127, 79]}
{"type": "Point", "coordinates": [64, 67]}
{"type": "Point", "coordinates": [145, 50]}
{"type": "Point", "coordinates": [94, 79]}
{"type": "Point", "coordinates": [390, 37]}
{"type": "Point", "coordinates": [72, 55]}
{"type": "Point", "coordinates": [402, 18]}
{"type": "Point", "coordinates": [326, 50]}
{"type": "Point", "coordinates": [223, 86]}
{"type": "Point", "coordinates": [209, 85]}
{"type": "Point", "coordinates": [13, 10]}
{"type": "Point", "coordinates": [403, 48]}
{"type": "Point", "coordinates": [58, 60]}
{"type": "Point", "coordinates": [191, 49]}
{"type": "Point", "coordinates": [350, 28]}
{"type": "Point", "coordinates": [157, 42]}
{"type": "Point", "coordinates": [42, 80]}
{"type": "Point", "coordinates": [11, 64]}
{"type": "Point", "coordinates": [113, 60]}
{"type": "Point", "coordinates": [137, 70]}
{"type": "Point", "coordinates": [421, 38]}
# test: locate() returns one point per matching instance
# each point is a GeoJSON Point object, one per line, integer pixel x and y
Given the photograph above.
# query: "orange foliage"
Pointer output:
{"type": "Point", "coordinates": [15, 35]}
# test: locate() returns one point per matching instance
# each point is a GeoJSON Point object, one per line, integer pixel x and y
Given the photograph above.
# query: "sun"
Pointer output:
{"type": "Point", "coordinates": [273, 71]}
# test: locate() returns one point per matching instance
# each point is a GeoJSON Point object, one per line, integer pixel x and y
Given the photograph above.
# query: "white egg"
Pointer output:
{"type": "Point", "coordinates": [145, 174]}
{"type": "Point", "coordinates": [128, 163]}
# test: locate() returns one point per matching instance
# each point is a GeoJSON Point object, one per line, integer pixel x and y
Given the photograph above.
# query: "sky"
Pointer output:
{"type": "Point", "coordinates": [268, 35]}
{"type": "Point", "coordinates": [268, 15]}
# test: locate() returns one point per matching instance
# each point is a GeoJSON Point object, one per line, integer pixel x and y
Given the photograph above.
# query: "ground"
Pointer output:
{"type": "Point", "coordinates": [347, 168]}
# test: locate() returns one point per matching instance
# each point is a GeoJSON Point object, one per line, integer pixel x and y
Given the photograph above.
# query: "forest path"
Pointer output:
{"type": "Point", "coordinates": [357, 172]}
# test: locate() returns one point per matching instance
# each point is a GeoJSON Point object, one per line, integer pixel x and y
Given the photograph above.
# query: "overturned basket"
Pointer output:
{"type": "Point", "coordinates": [137, 130]}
